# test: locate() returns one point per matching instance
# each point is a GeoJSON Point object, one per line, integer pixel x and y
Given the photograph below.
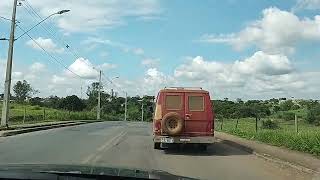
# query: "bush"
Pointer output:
{"type": "Point", "coordinates": [36, 108]}
{"type": "Point", "coordinates": [111, 118]}
{"type": "Point", "coordinates": [295, 107]}
{"type": "Point", "coordinates": [313, 115]}
{"type": "Point", "coordinates": [287, 116]}
{"type": "Point", "coordinates": [269, 124]}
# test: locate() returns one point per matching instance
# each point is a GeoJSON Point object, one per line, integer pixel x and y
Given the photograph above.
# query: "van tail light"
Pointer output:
{"type": "Point", "coordinates": [157, 126]}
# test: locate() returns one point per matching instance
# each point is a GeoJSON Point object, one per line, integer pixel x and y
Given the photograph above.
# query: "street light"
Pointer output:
{"type": "Point", "coordinates": [7, 84]}
{"type": "Point", "coordinates": [63, 11]}
{"type": "Point", "coordinates": [59, 13]}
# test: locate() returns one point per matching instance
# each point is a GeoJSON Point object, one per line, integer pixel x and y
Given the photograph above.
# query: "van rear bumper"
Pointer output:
{"type": "Point", "coordinates": [184, 139]}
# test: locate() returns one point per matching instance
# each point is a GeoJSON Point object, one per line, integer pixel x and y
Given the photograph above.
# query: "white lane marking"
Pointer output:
{"type": "Point", "coordinates": [98, 154]}
{"type": "Point", "coordinates": [86, 160]}
{"type": "Point", "coordinates": [109, 142]}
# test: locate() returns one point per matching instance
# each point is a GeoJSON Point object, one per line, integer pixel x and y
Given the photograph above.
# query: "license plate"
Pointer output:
{"type": "Point", "coordinates": [184, 140]}
{"type": "Point", "coordinates": [166, 140]}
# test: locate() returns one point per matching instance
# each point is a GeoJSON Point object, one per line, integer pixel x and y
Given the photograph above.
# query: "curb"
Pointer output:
{"type": "Point", "coordinates": [43, 127]}
{"type": "Point", "coordinates": [299, 160]}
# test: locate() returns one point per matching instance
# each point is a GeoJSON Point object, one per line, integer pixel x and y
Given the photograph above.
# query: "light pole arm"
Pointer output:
{"type": "Point", "coordinates": [35, 26]}
{"type": "Point", "coordinates": [59, 12]}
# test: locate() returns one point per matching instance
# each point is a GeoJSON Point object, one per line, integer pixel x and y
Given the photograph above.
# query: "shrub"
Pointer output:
{"type": "Point", "coordinates": [287, 116]}
{"type": "Point", "coordinates": [269, 124]}
{"type": "Point", "coordinates": [313, 115]}
{"type": "Point", "coordinates": [36, 108]}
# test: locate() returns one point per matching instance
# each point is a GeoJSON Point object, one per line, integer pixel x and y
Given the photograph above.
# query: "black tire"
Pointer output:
{"type": "Point", "coordinates": [203, 147]}
{"type": "Point", "coordinates": [156, 145]}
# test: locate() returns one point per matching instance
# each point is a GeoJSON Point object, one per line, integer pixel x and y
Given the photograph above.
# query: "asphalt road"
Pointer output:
{"type": "Point", "coordinates": [129, 145]}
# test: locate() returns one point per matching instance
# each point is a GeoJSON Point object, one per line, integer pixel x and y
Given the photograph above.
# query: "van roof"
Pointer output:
{"type": "Point", "coordinates": [183, 89]}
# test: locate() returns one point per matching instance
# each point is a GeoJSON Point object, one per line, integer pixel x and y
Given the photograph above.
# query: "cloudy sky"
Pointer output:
{"type": "Point", "coordinates": [236, 49]}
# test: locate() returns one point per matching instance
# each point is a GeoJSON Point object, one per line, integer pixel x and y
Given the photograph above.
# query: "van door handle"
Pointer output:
{"type": "Point", "coordinates": [188, 115]}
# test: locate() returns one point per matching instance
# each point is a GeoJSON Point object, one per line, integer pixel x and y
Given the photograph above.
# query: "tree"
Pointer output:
{"type": "Point", "coordinates": [313, 115]}
{"type": "Point", "coordinates": [72, 103]}
{"type": "Point", "coordinates": [22, 90]}
{"type": "Point", "coordinates": [52, 102]}
{"type": "Point", "coordinates": [286, 105]}
{"type": "Point", "coordinates": [92, 93]}
{"type": "Point", "coordinates": [276, 109]}
{"type": "Point", "coordinates": [36, 101]}
{"type": "Point", "coordinates": [239, 100]}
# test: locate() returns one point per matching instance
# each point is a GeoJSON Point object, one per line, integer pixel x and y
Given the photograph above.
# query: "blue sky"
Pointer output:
{"type": "Point", "coordinates": [247, 49]}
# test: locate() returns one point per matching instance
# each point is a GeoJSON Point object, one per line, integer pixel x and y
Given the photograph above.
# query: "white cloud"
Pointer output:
{"type": "Point", "coordinates": [150, 62]}
{"type": "Point", "coordinates": [307, 4]}
{"type": "Point", "coordinates": [92, 15]}
{"type": "Point", "coordinates": [63, 85]}
{"type": "Point", "coordinates": [154, 80]}
{"type": "Point", "coordinates": [258, 76]}
{"type": "Point", "coordinates": [93, 42]}
{"type": "Point", "coordinates": [259, 63]}
{"type": "Point", "coordinates": [56, 79]}
{"type": "Point", "coordinates": [107, 66]}
{"type": "Point", "coordinates": [138, 51]}
{"type": "Point", "coordinates": [2, 70]}
{"type": "Point", "coordinates": [262, 63]}
{"type": "Point", "coordinates": [46, 44]}
{"type": "Point", "coordinates": [104, 54]}
{"type": "Point", "coordinates": [83, 68]}
{"type": "Point", "coordinates": [277, 31]}
{"type": "Point", "coordinates": [37, 67]}
{"type": "Point", "coordinates": [17, 75]}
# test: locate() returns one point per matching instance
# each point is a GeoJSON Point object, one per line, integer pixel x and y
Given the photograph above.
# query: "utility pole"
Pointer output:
{"type": "Point", "coordinates": [99, 98]}
{"type": "Point", "coordinates": [81, 92]}
{"type": "Point", "coordinates": [125, 107]}
{"type": "Point", "coordinates": [7, 84]}
{"type": "Point", "coordinates": [141, 110]}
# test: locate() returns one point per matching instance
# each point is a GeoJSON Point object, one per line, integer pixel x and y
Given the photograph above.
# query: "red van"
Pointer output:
{"type": "Point", "coordinates": [183, 115]}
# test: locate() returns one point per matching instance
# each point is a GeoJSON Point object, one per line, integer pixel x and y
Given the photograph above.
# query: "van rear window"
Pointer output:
{"type": "Point", "coordinates": [173, 102]}
{"type": "Point", "coordinates": [196, 103]}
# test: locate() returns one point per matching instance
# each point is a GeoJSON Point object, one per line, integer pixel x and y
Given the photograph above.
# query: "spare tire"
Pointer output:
{"type": "Point", "coordinates": [172, 123]}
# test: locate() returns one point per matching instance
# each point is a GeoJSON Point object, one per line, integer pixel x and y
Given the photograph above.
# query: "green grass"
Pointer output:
{"type": "Point", "coordinates": [306, 140]}
{"type": "Point", "coordinates": [34, 114]}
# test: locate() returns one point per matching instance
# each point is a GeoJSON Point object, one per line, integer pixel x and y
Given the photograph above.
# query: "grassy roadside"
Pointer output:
{"type": "Point", "coordinates": [306, 140]}
{"type": "Point", "coordinates": [36, 114]}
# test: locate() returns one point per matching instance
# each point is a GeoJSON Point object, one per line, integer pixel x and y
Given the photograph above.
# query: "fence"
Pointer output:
{"type": "Point", "coordinates": [294, 134]}
{"type": "Point", "coordinates": [259, 124]}
{"type": "Point", "coordinates": [26, 114]}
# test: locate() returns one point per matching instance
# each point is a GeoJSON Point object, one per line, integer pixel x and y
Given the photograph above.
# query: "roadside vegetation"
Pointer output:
{"type": "Point", "coordinates": [275, 122]}
{"type": "Point", "coordinates": [26, 107]}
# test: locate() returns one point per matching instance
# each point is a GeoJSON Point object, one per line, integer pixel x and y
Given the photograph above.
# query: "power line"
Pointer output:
{"type": "Point", "coordinates": [49, 30]}
{"type": "Point", "coordinates": [49, 54]}
{"type": "Point", "coordinates": [32, 12]}
{"type": "Point", "coordinates": [5, 18]}
{"type": "Point", "coordinates": [28, 7]}
{"type": "Point", "coordinates": [111, 82]}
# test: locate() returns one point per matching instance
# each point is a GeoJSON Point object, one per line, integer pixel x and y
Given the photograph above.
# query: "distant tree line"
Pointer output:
{"type": "Point", "coordinates": [281, 108]}
{"type": "Point", "coordinates": [110, 104]}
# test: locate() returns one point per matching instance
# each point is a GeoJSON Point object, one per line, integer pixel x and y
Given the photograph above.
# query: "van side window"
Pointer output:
{"type": "Point", "coordinates": [196, 103]}
{"type": "Point", "coordinates": [173, 102]}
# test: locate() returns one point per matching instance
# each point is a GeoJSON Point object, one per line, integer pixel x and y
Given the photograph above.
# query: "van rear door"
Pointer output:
{"type": "Point", "coordinates": [174, 102]}
{"type": "Point", "coordinates": [196, 118]}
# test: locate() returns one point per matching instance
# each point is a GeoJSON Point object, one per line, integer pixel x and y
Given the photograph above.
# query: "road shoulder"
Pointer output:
{"type": "Point", "coordinates": [40, 126]}
{"type": "Point", "coordinates": [299, 160]}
